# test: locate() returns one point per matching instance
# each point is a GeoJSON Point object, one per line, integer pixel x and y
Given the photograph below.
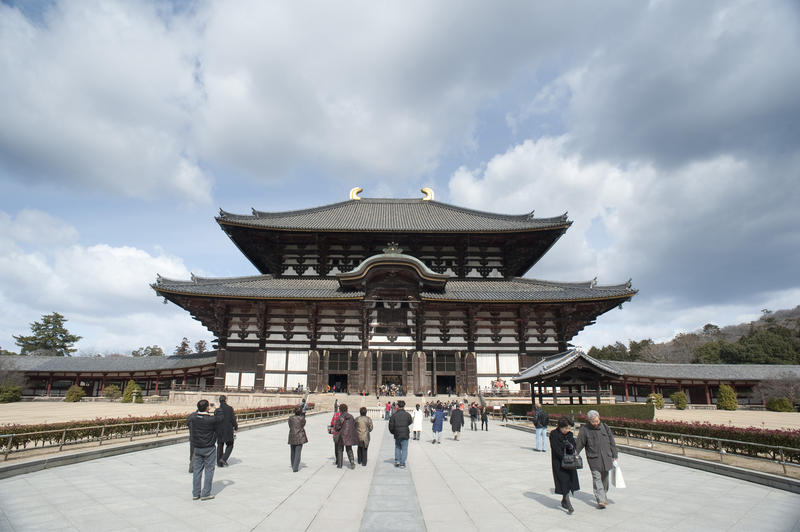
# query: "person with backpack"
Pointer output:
{"type": "Point", "coordinates": [540, 421]}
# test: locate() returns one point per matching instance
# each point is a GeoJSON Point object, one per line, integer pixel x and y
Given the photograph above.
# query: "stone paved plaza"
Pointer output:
{"type": "Point", "coordinates": [488, 481]}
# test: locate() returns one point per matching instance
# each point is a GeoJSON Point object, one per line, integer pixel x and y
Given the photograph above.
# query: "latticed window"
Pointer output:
{"type": "Point", "coordinates": [392, 362]}
{"type": "Point", "coordinates": [446, 362]}
{"type": "Point", "coordinates": [340, 361]}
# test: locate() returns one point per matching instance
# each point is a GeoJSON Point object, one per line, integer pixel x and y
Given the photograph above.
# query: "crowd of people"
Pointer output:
{"type": "Point", "coordinates": [211, 437]}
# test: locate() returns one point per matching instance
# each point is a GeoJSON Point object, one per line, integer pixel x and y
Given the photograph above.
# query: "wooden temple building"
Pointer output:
{"type": "Point", "coordinates": [573, 377]}
{"type": "Point", "coordinates": [417, 293]}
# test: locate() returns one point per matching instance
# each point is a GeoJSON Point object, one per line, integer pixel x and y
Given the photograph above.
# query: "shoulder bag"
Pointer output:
{"type": "Point", "coordinates": [571, 462]}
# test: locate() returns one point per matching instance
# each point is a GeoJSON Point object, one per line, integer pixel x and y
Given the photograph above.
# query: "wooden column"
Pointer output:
{"type": "Point", "coordinates": [571, 397]}
{"type": "Point", "coordinates": [103, 384]}
{"type": "Point", "coordinates": [555, 393]}
{"type": "Point", "coordinates": [158, 375]}
{"type": "Point", "coordinates": [627, 399]}
{"type": "Point", "coordinates": [598, 391]}
{"type": "Point", "coordinates": [580, 394]}
{"type": "Point", "coordinates": [49, 384]}
{"type": "Point", "coordinates": [539, 385]}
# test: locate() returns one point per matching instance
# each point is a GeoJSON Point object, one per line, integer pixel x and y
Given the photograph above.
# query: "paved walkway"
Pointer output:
{"type": "Point", "coordinates": [488, 481]}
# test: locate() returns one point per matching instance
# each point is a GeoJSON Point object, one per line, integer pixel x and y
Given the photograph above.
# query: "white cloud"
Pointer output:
{"type": "Point", "coordinates": [102, 290]}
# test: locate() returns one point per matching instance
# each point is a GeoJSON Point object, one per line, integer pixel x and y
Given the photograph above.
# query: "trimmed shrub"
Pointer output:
{"type": "Point", "coordinates": [74, 394]}
{"type": "Point", "coordinates": [636, 411]}
{"type": "Point", "coordinates": [10, 393]}
{"type": "Point", "coordinates": [656, 399]}
{"type": "Point", "coordinates": [679, 399]}
{"type": "Point", "coordinates": [112, 392]}
{"type": "Point", "coordinates": [132, 390]}
{"type": "Point", "coordinates": [779, 404]}
{"type": "Point", "coordinates": [726, 400]}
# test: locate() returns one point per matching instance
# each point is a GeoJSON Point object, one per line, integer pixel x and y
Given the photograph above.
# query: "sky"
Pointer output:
{"type": "Point", "coordinates": [669, 131]}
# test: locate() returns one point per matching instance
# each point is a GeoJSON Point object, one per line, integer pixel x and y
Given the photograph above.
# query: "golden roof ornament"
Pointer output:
{"type": "Point", "coordinates": [354, 192]}
{"type": "Point", "coordinates": [428, 194]}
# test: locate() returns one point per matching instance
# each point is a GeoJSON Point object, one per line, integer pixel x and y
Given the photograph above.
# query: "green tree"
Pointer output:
{"type": "Point", "coordinates": [148, 351]}
{"type": "Point", "coordinates": [183, 347]}
{"type": "Point", "coordinates": [200, 346]}
{"type": "Point", "coordinates": [133, 392]}
{"type": "Point", "coordinates": [618, 351]}
{"type": "Point", "coordinates": [709, 353]}
{"type": "Point", "coordinates": [4, 353]}
{"type": "Point", "coordinates": [74, 394]}
{"type": "Point", "coordinates": [112, 392]}
{"type": "Point", "coordinates": [709, 329]}
{"type": "Point", "coordinates": [637, 349]}
{"type": "Point", "coordinates": [726, 399]}
{"type": "Point", "coordinates": [679, 399]}
{"type": "Point", "coordinates": [49, 336]}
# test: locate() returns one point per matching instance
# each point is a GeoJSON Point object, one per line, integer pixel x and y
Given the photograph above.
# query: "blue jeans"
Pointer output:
{"type": "Point", "coordinates": [205, 459]}
{"type": "Point", "coordinates": [541, 440]}
{"type": "Point", "coordinates": [400, 451]}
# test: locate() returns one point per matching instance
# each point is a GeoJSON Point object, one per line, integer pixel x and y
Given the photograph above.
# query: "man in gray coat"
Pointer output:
{"type": "Point", "coordinates": [601, 453]}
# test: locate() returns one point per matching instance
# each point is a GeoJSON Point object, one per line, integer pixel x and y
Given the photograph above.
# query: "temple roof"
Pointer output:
{"type": "Point", "coordinates": [392, 215]}
{"type": "Point", "coordinates": [552, 365]}
{"type": "Point", "coordinates": [497, 290]}
{"type": "Point", "coordinates": [105, 364]}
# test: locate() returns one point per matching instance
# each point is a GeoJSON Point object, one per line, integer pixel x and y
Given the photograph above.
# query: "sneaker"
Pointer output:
{"type": "Point", "coordinates": [195, 497]}
{"type": "Point", "coordinates": [397, 464]}
{"type": "Point", "coordinates": [206, 498]}
{"type": "Point", "coordinates": [403, 466]}
{"type": "Point", "coordinates": [601, 505]}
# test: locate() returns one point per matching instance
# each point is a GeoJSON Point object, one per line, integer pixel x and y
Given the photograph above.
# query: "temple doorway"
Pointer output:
{"type": "Point", "coordinates": [338, 382]}
{"type": "Point", "coordinates": [445, 384]}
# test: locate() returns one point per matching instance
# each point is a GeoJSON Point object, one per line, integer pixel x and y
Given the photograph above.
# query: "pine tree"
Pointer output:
{"type": "Point", "coordinates": [49, 336]}
{"type": "Point", "coordinates": [200, 346]}
{"type": "Point", "coordinates": [183, 347]}
{"type": "Point", "coordinates": [726, 400]}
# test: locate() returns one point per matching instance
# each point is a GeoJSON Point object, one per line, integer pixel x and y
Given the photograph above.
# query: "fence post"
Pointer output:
{"type": "Point", "coordinates": [721, 451]}
{"type": "Point", "coordinates": [627, 435]}
{"type": "Point", "coordinates": [102, 433]}
{"type": "Point", "coordinates": [63, 437]}
{"type": "Point", "coordinates": [783, 461]}
{"type": "Point", "coordinates": [158, 426]}
{"type": "Point", "coordinates": [11, 438]}
{"type": "Point", "coordinates": [131, 431]}
{"type": "Point", "coordinates": [683, 449]}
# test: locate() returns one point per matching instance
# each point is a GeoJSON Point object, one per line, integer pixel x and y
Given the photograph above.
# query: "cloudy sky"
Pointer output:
{"type": "Point", "coordinates": [670, 132]}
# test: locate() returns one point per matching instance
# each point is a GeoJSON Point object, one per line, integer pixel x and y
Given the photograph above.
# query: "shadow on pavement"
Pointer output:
{"type": "Point", "coordinates": [219, 485]}
{"type": "Point", "coordinates": [544, 500]}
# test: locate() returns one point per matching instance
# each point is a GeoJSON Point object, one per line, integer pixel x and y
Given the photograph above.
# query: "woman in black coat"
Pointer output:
{"type": "Point", "coordinates": [563, 442]}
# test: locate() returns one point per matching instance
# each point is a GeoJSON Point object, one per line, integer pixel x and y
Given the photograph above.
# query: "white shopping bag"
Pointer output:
{"type": "Point", "coordinates": [616, 478]}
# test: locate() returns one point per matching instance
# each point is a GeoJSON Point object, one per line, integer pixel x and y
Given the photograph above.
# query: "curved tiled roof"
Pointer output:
{"type": "Point", "coordinates": [515, 289]}
{"type": "Point", "coordinates": [106, 364]}
{"type": "Point", "coordinates": [724, 372]}
{"type": "Point", "coordinates": [392, 215]}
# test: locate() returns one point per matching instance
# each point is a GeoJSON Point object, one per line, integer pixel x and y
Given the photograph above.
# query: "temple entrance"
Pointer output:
{"type": "Point", "coordinates": [338, 382]}
{"type": "Point", "coordinates": [445, 384]}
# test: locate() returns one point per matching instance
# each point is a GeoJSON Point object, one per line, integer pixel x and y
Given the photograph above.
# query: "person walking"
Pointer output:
{"type": "Point", "coordinates": [562, 442]}
{"type": "Point", "coordinates": [399, 425]}
{"type": "Point", "coordinates": [504, 413]}
{"type": "Point", "coordinates": [601, 453]}
{"type": "Point", "coordinates": [438, 422]}
{"type": "Point", "coordinates": [203, 436]}
{"type": "Point", "coordinates": [345, 436]}
{"type": "Point", "coordinates": [226, 431]}
{"type": "Point", "coordinates": [456, 421]}
{"type": "Point", "coordinates": [388, 412]}
{"type": "Point", "coordinates": [297, 436]}
{"type": "Point", "coordinates": [417, 415]}
{"type": "Point", "coordinates": [485, 419]}
{"type": "Point", "coordinates": [540, 422]}
{"type": "Point", "coordinates": [363, 428]}
{"type": "Point", "coordinates": [473, 417]}
{"type": "Point", "coordinates": [332, 430]}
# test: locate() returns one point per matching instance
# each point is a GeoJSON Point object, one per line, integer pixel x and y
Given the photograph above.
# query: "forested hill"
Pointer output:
{"type": "Point", "coordinates": [772, 339]}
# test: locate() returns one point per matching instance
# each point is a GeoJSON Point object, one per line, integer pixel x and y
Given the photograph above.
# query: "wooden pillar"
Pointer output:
{"type": "Point", "coordinates": [652, 387]}
{"type": "Point", "coordinates": [627, 398]}
{"type": "Point", "coordinates": [708, 394]}
{"type": "Point", "coordinates": [580, 394]}
{"type": "Point", "coordinates": [103, 384]}
{"type": "Point", "coordinates": [49, 384]}
{"type": "Point", "coordinates": [555, 393]}
{"type": "Point", "coordinates": [533, 397]}
{"type": "Point", "coordinates": [541, 396]}
{"type": "Point", "coordinates": [598, 391]}
{"type": "Point", "coordinates": [571, 398]}
{"type": "Point", "coordinates": [77, 376]}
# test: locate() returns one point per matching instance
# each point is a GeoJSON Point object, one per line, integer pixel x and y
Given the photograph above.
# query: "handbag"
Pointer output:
{"type": "Point", "coordinates": [617, 479]}
{"type": "Point", "coordinates": [571, 462]}
{"type": "Point", "coordinates": [330, 429]}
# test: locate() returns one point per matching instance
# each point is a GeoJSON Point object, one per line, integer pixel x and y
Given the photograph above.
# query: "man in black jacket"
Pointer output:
{"type": "Point", "coordinates": [225, 431]}
{"type": "Point", "coordinates": [456, 421]}
{"type": "Point", "coordinates": [203, 436]}
{"type": "Point", "coordinates": [398, 425]}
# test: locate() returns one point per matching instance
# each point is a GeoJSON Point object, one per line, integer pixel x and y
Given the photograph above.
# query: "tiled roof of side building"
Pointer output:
{"type": "Point", "coordinates": [516, 289]}
{"type": "Point", "coordinates": [105, 364]}
{"type": "Point", "coordinates": [393, 215]}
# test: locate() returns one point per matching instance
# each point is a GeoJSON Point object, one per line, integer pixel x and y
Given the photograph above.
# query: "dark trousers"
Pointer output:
{"type": "Point", "coordinates": [295, 456]}
{"type": "Point", "coordinates": [191, 457]}
{"type": "Point", "coordinates": [473, 422]}
{"type": "Point", "coordinates": [222, 456]}
{"type": "Point", "coordinates": [362, 455]}
{"type": "Point", "coordinates": [340, 452]}
{"type": "Point", "coordinates": [484, 423]}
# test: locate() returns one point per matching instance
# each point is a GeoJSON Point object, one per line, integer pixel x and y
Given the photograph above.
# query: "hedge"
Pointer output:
{"type": "Point", "coordinates": [637, 411]}
{"type": "Point", "coordinates": [109, 428]}
{"type": "Point", "coordinates": [782, 438]}
{"type": "Point", "coordinates": [10, 393]}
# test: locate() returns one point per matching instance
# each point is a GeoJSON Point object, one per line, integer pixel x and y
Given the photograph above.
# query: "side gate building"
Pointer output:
{"type": "Point", "coordinates": [413, 292]}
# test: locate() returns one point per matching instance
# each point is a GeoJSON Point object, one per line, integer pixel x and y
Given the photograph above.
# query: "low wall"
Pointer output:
{"type": "Point", "coordinates": [235, 399]}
